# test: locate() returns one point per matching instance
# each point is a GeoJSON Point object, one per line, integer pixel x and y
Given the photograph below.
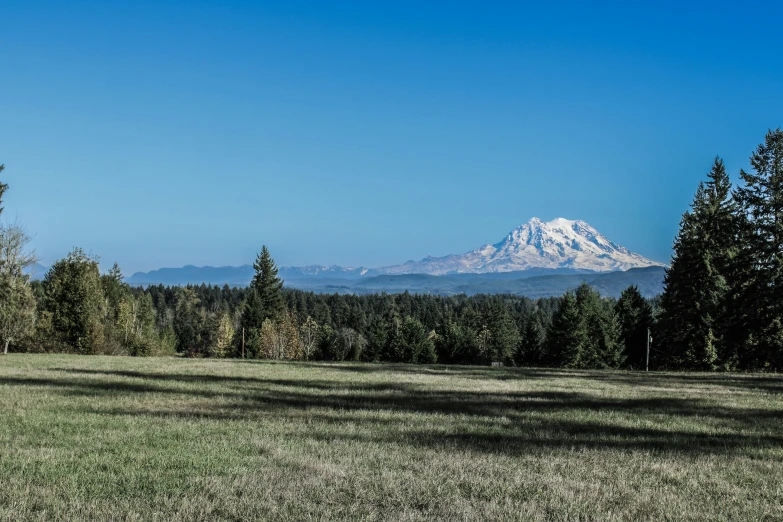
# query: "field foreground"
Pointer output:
{"type": "Point", "coordinates": [102, 438]}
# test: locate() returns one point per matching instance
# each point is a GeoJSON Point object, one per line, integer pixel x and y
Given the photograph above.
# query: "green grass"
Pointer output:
{"type": "Point", "coordinates": [114, 438]}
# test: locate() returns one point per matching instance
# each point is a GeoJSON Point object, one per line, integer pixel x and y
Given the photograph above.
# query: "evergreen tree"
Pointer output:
{"type": "Point", "coordinates": [566, 335]}
{"type": "Point", "coordinates": [601, 347]}
{"type": "Point", "coordinates": [377, 339]}
{"type": "Point", "coordinates": [532, 345]}
{"type": "Point", "coordinates": [415, 344]}
{"type": "Point", "coordinates": [457, 344]}
{"type": "Point", "coordinates": [115, 291]}
{"type": "Point", "coordinates": [266, 299]}
{"type": "Point", "coordinates": [498, 333]}
{"type": "Point", "coordinates": [635, 316]}
{"type": "Point", "coordinates": [693, 328]}
{"type": "Point", "coordinates": [189, 324]}
{"type": "Point", "coordinates": [252, 313]}
{"type": "Point", "coordinates": [758, 278]}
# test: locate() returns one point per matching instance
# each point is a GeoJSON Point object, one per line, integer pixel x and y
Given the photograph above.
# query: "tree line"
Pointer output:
{"type": "Point", "coordinates": [723, 303]}
{"type": "Point", "coordinates": [721, 308]}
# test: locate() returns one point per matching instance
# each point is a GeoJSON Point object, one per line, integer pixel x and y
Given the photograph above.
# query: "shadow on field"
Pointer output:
{"type": "Point", "coordinates": [402, 413]}
{"type": "Point", "coordinates": [749, 382]}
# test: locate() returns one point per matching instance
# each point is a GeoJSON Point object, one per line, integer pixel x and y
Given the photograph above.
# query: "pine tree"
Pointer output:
{"type": "Point", "coordinates": [189, 324]}
{"type": "Point", "coordinates": [635, 316]}
{"type": "Point", "coordinates": [566, 335]}
{"type": "Point", "coordinates": [415, 344]}
{"type": "Point", "coordinates": [602, 347]}
{"type": "Point", "coordinates": [265, 298]}
{"type": "Point", "coordinates": [377, 338]}
{"type": "Point", "coordinates": [532, 346]}
{"type": "Point", "coordinates": [498, 334]}
{"type": "Point", "coordinates": [457, 343]}
{"type": "Point", "coordinates": [693, 328]}
{"type": "Point", "coordinates": [758, 278]}
{"type": "Point", "coordinates": [720, 231]}
{"type": "Point", "coordinates": [268, 286]}
{"type": "Point", "coordinates": [115, 291]}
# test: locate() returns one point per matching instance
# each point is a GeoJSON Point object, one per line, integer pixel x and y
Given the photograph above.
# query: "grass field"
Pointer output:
{"type": "Point", "coordinates": [114, 438]}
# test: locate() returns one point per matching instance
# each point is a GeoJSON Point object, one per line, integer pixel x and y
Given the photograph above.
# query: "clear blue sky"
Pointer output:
{"type": "Point", "coordinates": [368, 133]}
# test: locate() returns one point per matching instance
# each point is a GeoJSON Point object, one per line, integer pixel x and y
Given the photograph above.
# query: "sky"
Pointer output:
{"type": "Point", "coordinates": [162, 134]}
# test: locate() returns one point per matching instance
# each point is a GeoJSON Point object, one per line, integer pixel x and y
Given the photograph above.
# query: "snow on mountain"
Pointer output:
{"type": "Point", "coordinates": [560, 243]}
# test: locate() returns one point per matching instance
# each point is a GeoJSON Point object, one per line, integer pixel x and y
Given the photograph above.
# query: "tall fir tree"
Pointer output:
{"type": "Point", "coordinates": [693, 328]}
{"type": "Point", "coordinates": [566, 335]}
{"type": "Point", "coordinates": [602, 347]}
{"type": "Point", "coordinates": [265, 299]}
{"type": "Point", "coordinates": [758, 278]}
{"type": "Point", "coordinates": [498, 332]}
{"type": "Point", "coordinates": [532, 345]}
{"type": "Point", "coordinates": [635, 316]}
{"type": "Point", "coordinates": [720, 243]}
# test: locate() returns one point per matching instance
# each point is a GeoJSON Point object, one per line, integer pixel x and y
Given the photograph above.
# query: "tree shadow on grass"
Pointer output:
{"type": "Point", "coordinates": [388, 412]}
{"type": "Point", "coordinates": [737, 382]}
{"type": "Point", "coordinates": [512, 436]}
{"type": "Point", "coordinates": [771, 383]}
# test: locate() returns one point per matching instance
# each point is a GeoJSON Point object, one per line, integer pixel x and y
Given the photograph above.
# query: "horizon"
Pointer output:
{"type": "Point", "coordinates": [365, 135]}
{"type": "Point", "coordinates": [358, 266]}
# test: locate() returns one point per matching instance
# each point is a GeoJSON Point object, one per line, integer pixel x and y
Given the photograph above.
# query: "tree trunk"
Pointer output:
{"type": "Point", "coordinates": [5, 352]}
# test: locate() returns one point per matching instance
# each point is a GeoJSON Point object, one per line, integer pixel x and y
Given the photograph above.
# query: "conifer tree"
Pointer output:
{"type": "Point", "coordinates": [758, 278]}
{"type": "Point", "coordinates": [566, 335]}
{"type": "Point", "coordinates": [498, 334]}
{"type": "Point", "coordinates": [693, 327]}
{"type": "Point", "coordinates": [414, 344]}
{"type": "Point", "coordinates": [635, 316]}
{"type": "Point", "coordinates": [265, 299]}
{"type": "Point", "coordinates": [533, 342]}
{"type": "Point", "coordinates": [377, 338]}
{"type": "Point", "coordinates": [602, 347]}
{"type": "Point", "coordinates": [268, 286]}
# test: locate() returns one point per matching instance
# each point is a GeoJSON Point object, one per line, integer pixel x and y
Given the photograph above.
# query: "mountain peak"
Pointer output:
{"type": "Point", "coordinates": [560, 243]}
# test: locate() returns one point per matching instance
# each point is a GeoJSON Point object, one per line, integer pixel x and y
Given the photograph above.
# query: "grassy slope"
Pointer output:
{"type": "Point", "coordinates": [127, 439]}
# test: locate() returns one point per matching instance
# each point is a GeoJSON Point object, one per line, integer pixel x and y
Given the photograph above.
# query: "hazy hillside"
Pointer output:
{"type": "Point", "coordinates": [649, 280]}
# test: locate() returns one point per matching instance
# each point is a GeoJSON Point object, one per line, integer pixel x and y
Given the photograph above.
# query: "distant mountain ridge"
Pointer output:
{"type": "Point", "coordinates": [238, 275]}
{"type": "Point", "coordinates": [548, 256]}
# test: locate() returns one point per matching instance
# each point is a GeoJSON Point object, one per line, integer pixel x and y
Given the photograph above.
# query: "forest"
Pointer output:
{"type": "Point", "coordinates": [722, 307]}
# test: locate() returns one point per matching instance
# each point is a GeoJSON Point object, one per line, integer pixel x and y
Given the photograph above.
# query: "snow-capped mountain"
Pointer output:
{"type": "Point", "coordinates": [560, 247]}
{"type": "Point", "coordinates": [560, 243]}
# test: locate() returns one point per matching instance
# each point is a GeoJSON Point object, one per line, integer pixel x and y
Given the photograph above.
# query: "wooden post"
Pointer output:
{"type": "Point", "coordinates": [243, 343]}
{"type": "Point", "coordinates": [647, 365]}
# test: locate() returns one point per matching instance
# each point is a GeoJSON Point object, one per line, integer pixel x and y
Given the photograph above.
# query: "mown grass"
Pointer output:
{"type": "Point", "coordinates": [113, 438]}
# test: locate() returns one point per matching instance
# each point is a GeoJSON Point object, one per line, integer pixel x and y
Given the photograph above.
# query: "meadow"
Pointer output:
{"type": "Point", "coordinates": [117, 438]}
